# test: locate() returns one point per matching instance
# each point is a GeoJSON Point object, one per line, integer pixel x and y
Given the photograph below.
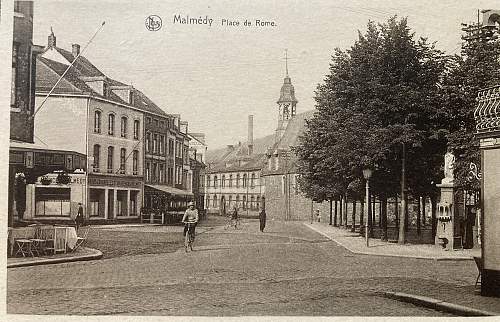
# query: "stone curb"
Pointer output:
{"type": "Point", "coordinates": [462, 258]}
{"type": "Point", "coordinates": [437, 304]}
{"type": "Point", "coordinates": [97, 254]}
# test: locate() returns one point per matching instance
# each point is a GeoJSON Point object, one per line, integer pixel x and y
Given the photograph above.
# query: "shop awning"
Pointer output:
{"type": "Point", "coordinates": [170, 190]}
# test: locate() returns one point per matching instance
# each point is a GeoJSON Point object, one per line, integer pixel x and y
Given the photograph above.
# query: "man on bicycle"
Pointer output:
{"type": "Point", "coordinates": [190, 219]}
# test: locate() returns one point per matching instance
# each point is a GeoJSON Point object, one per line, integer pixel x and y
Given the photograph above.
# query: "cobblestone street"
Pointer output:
{"type": "Point", "coordinates": [288, 270]}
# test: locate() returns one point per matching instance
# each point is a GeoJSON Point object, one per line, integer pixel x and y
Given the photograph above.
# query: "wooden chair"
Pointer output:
{"type": "Point", "coordinates": [24, 244]}
{"type": "Point", "coordinates": [82, 238]}
{"type": "Point", "coordinates": [58, 240]}
{"type": "Point", "coordinates": [479, 265]}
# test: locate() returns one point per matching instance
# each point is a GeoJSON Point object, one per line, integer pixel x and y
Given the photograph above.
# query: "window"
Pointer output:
{"type": "Point", "coordinates": [148, 120]}
{"type": "Point", "coordinates": [156, 123]}
{"type": "Point", "coordinates": [258, 202]}
{"type": "Point", "coordinates": [123, 153]}
{"type": "Point", "coordinates": [110, 159]}
{"type": "Point", "coordinates": [238, 180]}
{"type": "Point", "coordinates": [252, 181]}
{"type": "Point", "coordinates": [161, 145]}
{"type": "Point", "coordinates": [244, 202]}
{"type": "Point", "coordinates": [223, 181]}
{"type": "Point", "coordinates": [123, 127]}
{"type": "Point", "coordinates": [148, 142]}
{"type": "Point", "coordinates": [97, 122]}
{"type": "Point", "coordinates": [170, 175]}
{"type": "Point", "coordinates": [215, 181]}
{"type": "Point", "coordinates": [97, 153]}
{"type": "Point", "coordinates": [162, 124]}
{"type": "Point", "coordinates": [252, 202]}
{"type": "Point", "coordinates": [148, 171]}
{"type": "Point", "coordinates": [161, 173]}
{"type": "Point", "coordinates": [230, 180]}
{"type": "Point", "coordinates": [244, 180]}
{"type": "Point", "coordinates": [171, 147]}
{"type": "Point", "coordinates": [136, 129]}
{"type": "Point", "coordinates": [208, 201]}
{"type": "Point", "coordinates": [230, 200]}
{"type": "Point", "coordinates": [215, 201]}
{"type": "Point", "coordinates": [208, 180]}
{"type": "Point", "coordinates": [154, 174]}
{"type": "Point", "coordinates": [111, 124]}
{"type": "Point", "coordinates": [14, 81]}
{"type": "Point", "coordinates": [155, 143]}
{"type": "Point", "coordinates": [237, 200]}
{"type": "Point", "coordinates": [135, 161]}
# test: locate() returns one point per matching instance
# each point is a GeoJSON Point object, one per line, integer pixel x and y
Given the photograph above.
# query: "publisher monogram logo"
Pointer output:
{"type": "Point", "coordinates": [153, 23]}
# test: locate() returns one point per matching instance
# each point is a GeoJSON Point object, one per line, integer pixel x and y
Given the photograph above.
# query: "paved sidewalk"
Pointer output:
{"type": "Point", "coordinates": [357, 244]}
{"type": "Point", "coordinates": [82, 254]}
{"type": "Point", "coordinates": [462, 300]}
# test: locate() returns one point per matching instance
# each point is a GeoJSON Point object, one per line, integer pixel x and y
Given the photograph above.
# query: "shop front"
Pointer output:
{"type": "Point", "coordinates": [166, 202]}
{"type": "Point", "coordinates": [114, 197]}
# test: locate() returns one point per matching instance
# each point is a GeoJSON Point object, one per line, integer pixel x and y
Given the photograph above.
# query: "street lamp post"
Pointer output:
{"type": "Point", "coordinates": [367, 173]}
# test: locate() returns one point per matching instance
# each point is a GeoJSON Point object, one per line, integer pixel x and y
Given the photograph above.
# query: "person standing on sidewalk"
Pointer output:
{"type": "Point", "coordinates": [79, 216]}
{"type": "Point", "coordinates": [262, 219]}
{"type": "Point", "coordinates": [318, 215]}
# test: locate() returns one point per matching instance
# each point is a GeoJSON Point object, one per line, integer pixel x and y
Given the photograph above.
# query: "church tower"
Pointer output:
{"type": "Point", "coordinates": [287, 103]}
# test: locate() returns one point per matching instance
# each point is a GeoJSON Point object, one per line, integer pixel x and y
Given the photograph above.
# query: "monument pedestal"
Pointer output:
{"type": "Point", "coordinates": [445, 216]}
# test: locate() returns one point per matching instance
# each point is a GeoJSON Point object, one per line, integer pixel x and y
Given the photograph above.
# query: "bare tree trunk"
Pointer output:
{"type": "Point", "coordinates": [433, 216]}
{"type": "Point", "coordinates": [418, 216]}
{"type": "Point", "coordinates": [423, 210]}
{"type": "Point", "coordinates": [345, 211]}
{"type": "Point", "coordinates": [341, 211]}
{"type": "Point", "coordinates": [331, 211]}
{"type": "Point", "coordinates": [335, 217]}
{"type": "Point", "coordinates": [383, 216]}
{"type": "Point", "coordinates": [353, 224]}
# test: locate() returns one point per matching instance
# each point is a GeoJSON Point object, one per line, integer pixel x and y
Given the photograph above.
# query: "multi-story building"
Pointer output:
{"type": "Point", "coordinates": [165, 186]}
{"type": "Point", "coordinates": [233, 175]}
{"type": "Point", "coordinates": [98, 117]}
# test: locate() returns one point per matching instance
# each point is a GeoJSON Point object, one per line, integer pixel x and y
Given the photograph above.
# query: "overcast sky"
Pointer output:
{"type": "Point", "coordinates": [216, 76]}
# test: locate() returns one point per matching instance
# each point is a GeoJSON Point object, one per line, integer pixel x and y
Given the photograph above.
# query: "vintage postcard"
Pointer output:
{"type": "Point", "coordinates": [261, 160]}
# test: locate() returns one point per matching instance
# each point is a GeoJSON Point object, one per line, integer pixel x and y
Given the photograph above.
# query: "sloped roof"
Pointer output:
{"type": "Point", "coordinates": [49, 71]}
{"type": "Point", "coordinates": [82, 63]}
{"type": "Point", "coordinates": [294, 129]}
{"type": "Point", "coordinates": [260, 146]}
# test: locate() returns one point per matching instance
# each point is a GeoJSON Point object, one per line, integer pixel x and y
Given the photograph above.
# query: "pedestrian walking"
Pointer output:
{"type": "Point", "coordinates": [79, 220]}
{"type": "Point", "coordinates": [318, 215]}
{"type": "Point", "coordinates": [262, 219]}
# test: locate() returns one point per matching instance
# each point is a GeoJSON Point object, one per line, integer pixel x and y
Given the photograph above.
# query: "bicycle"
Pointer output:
{"type": "Point", "coordinates": [231, 222]}
{"type": "Point", "coordinates": [189, 238]}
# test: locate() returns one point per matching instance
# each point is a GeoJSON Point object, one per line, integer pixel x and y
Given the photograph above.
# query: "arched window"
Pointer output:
{"type": "Point", "coordinates": [258, 202]}
{"type": "Point", "coordinates": [252, 181]}
{"type": "Point", "coordinates": [244, 180]}
{"type": "Point", "coordinates": [208, 181]}
{"type": "Point", "coordinates": [123, 127]}
{"type": "Point", "coordinates": [208, 201]}
{"type": "Point", "coordinates": [148, 142]}
{"type": "Point", "coordinates": [136, 129]}
{"type": "Point", "coordinates": [230, 180]}
{"type": "Point", "coordinates": [237, 200]}
{"type": "Point", "coordinates": [215, 201]}
{"type": "Point", "coordinates": [223, 181]}
{"type": "Point", "coordinates": [97, 122]}
{"type": "Point", "coordinates": [244, 202]}
{"type": "Point", "coordinates": [110, 159]}
{"type": "Point", "coordinates": [97, 157]}
{"type": "Point", "coordinates": [230, 200]}
{"type": "Point", "coordinates": [111, 124]}
{"type": "Point", "coordinates": [215, 181]}
{"type": "Point", "coordinates": [135, 162]}
{"type": "Point", "coordinates": [123, 153]}
{"type": "Point", "coordinates": [238, 180]}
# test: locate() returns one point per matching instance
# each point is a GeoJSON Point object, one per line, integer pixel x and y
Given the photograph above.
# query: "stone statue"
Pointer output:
{"type": "Point", "coordinates": [449, 163]}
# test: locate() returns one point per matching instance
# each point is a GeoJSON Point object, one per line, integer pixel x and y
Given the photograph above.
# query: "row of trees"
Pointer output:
{"type": "Point", "coordinates": [395, 104]}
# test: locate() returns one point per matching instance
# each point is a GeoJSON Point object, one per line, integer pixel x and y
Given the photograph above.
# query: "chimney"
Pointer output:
{"type": "Point", "coordinates": [51, 39]}
{"type": "Point", "coordinates": [250, 135]}
{"type": "Point", "coordinates": [75, 49]}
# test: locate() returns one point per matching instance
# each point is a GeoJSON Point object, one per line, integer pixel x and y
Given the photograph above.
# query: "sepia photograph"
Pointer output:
{"type": "Point", "coordinates": [254, 160]}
